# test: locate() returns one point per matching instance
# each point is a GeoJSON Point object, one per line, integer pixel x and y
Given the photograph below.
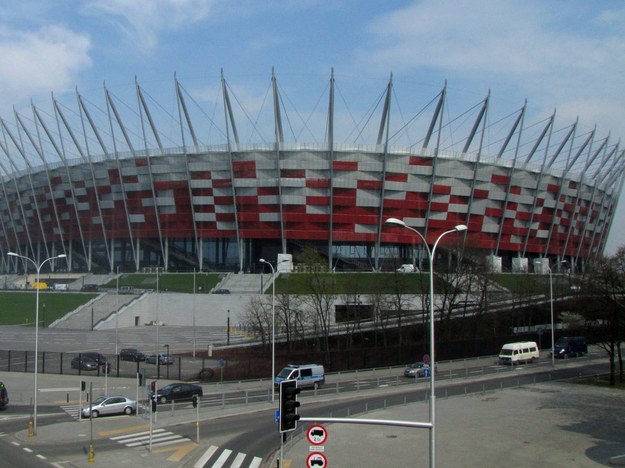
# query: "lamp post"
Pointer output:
{"type": "Point", "coordinates": [553, 347]}
{"type": "Point", "coordinates": [458, 228]}
{"type": "Point", "coordinates": [116, 314]}
{"type": "Point", "coordinates": [273, 326]}
{"type": "Point", "coordinates": [38, 268]}
{"type": "Point", "coordinates": [194, 313]}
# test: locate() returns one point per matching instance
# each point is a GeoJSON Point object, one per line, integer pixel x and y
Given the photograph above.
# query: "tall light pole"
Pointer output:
{"type": "Point", "coordinates": [116, 314]}
{"type": "Point", "coordinates": [273, 326]}
{"type": "Point", "coordinates": [458, 228]}
{"type": "Point", "coordinates": [194, 313]}
{"type": "Point", "coordinates": [553, 344]}
{"type": "Point", "coordinates": [38, 268]}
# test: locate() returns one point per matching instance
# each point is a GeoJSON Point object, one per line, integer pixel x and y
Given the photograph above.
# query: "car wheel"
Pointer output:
{"type": "Point", "coordinates": [128, 410]}
{"type": "Point", "coordinates": [95, 414]}
{"type": "Point", "coordinates": [163, 399]}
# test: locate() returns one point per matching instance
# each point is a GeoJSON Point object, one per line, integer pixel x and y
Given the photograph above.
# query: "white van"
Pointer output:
{"type": "Point", "coordinates": [407, 268]}
{"type": "Point", "coordinates": [307, 375]}
{"type": "Point", "coordinates": [520, 352]}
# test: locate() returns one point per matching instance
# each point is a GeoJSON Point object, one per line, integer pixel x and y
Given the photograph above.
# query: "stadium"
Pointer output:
{"type": "Point", "coordinates": [132, 184]}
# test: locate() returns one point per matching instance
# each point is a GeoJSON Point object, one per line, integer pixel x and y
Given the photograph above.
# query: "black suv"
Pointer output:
{"type": "Point", "coordinates": [131, 354]}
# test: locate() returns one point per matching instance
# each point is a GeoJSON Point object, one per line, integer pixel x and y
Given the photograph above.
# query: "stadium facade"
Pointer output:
{"type": "Point", "coordinates": [113, 195]}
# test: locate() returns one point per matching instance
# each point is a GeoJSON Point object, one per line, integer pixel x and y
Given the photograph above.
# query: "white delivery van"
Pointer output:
{"type": "Point", "coordinates": [520, 352]}
{"type": "Point", "coordinates": [307, 375]}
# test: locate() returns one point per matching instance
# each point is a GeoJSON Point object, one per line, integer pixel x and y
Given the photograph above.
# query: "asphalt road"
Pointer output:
{"type": "Point", "coordinates": [250, 428]}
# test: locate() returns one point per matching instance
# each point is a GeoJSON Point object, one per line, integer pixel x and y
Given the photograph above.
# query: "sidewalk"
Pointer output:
{"type": "Point", "coordinates": [550, 425]}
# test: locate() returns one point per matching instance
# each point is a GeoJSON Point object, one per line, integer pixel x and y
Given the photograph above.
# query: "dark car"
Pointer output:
{"type": "Point", "coordinates": [84, 363]}
{"type": "Point", "coordinates": [90, 288]}
{"type": "Point", "coordinates": [164, 359]}
{"type": "Point", "coordinates": [97, 357]}
{"type": "Point", "coordinates": [205, 374]}
{"type": "Point", "coordinates": [570, 346]}
{"type": "Point", "coordinates": [4, 395]}
{"type": "Point", "coordinates": [178, 392]}
{"type": "Point", "coordinates": [221, 291]}
{"type": "Point", "coordinates": [131, 354]}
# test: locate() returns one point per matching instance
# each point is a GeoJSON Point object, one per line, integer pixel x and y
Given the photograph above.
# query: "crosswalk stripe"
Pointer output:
{"type": "Point", "coordinates": [256, 462]}
{"type": "Point", "coordinates": [160, 440]}
{"type": "Point", "coordinates": [222, 458]}
{"type": "Point", "coordinates": [138, 434]}
{"type": "Point", "coordinates": [238, 461]}
{"type": "Point", "coordinates": [204, 458]}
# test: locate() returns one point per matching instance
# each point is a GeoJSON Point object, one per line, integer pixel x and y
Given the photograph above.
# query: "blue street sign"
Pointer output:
{"type": "Point", "coordinates": [277, 416]}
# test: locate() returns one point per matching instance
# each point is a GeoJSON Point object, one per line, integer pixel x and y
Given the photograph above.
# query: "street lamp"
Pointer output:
{"type": "Point", "coordinates": [38, 268]}
{"type": "Point", "coordinates": [273, 326]}
{"type": "Point", "coordinates": [546, 264]}
{"type": "Point", "coordinates": [458, 228]}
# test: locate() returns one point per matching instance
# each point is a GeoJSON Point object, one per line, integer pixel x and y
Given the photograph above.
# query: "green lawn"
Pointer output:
{"type": "Point", "coordinates": [355, 283]}
{"type": "Point", "coordinates": [18, 308]}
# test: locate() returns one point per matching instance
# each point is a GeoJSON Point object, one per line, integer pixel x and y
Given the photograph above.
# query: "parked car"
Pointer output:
{"type": "Point", "coordinates": [84, 363]}
{"type": "Point", "coordinates": [416, 369]}
{"type": "Point", "coordinates": [178, 392]}
{"type": "Point", "coordinates": [90, 288]}
{"type": "Point", "coordinates": [4, 396]}
{"type": "Point", "coordinates": [206, 373]}
{"type": "Point", "coordinates": [407, 268]}
{"type": "Point", "coordinates": [131, 354]}
{"type": "Point", "coordinates": [106, 405]}
{"type": "Point", "coordinates": [97, 357]}
{"type": "Point", "coordinates": [221, 291]}
{"type": "Point", "coordinates": [163, 358]}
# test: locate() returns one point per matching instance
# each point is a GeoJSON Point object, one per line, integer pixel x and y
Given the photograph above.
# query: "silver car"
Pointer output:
{"type": "Point", "coordinates": [417, 369]}
{"type": "Point", "coordinates": [110, 405]}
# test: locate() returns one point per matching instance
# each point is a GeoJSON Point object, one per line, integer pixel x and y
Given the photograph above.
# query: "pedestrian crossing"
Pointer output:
{"type": "Point", "coordinates": [72, 410]}
{"type": "Point", "coordinates": [214, 457]}
{"type": "Point", "coordinates": [160, 437]}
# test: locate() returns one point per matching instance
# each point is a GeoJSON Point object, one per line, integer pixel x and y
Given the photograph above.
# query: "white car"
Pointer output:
{"type": "Point", "coordinates": [106, 405]}
{"type": "Point", "coordinates": [407, 268]}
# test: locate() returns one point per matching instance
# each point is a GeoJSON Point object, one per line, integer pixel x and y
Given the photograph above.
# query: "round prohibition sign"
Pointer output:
{"type": "Point", "coordinates": [317, 434]}
{"type": "Point", "coordinates": [316, 459]}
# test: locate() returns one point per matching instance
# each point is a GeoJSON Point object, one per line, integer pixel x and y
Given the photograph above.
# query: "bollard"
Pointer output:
{"type": "Point", "coordinates": [91, 456]}
{"type": "Point", "coordinates": [67, 399]}
{"type": "Point", "coordinates": [30, 428]}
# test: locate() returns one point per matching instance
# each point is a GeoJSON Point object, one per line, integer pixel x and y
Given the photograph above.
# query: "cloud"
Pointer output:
{"type": "Point", "coordinates": [43, 60]}
{"type": "Point", "coordinates": [143, 20]}
{"type": "Point", "coordinates": [571, 58]}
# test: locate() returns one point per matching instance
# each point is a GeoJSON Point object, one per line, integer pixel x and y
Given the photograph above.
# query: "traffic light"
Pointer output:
{"type": "Point", "coordinates": [288, 405]}
{"type": "Point", "coordinates": [195, 401]}
{"type": "Point", "coordinates": [140, 377]}
{"type": "Point", "coordinates": [154, 407]}
{"type": "Point", "coordinates": [83, 385]}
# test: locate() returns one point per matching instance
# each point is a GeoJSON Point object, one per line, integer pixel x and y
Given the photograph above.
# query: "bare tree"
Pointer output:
{"type": "Point", "coordinates": [257, 318]}
{"type": "Point", "coordinates": [604, 290]}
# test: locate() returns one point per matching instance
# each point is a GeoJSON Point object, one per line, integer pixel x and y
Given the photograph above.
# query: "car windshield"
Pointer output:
{"type": "Point", "coordinates": [284, 373]}
{"type": "Point", "coordinates": [506, 352]}
{"type": "Point", "coordinates": [562, 342]}
{"type": "Point", "coordinates": [416, 365]}
{"type": "Point", "coordinates": [99, 400]}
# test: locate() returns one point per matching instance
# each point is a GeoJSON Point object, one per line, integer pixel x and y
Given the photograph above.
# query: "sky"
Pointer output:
{"type": "Point", "coordinates": [567, 55]}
